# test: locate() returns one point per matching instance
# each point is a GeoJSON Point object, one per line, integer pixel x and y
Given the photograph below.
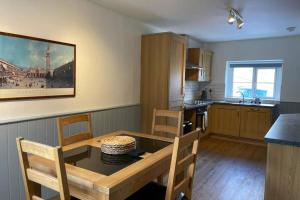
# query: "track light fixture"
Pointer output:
{"type": "Point", "coordinates": [234, 15]}
{"type": "Point", "coordinates": [231, 17]}
{"type": "Point", "coordinates": [239, 23]}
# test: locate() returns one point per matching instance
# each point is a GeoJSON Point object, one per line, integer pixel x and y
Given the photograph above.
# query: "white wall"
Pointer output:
{"type": "Point", "coordinates": [194, 43]}
{"type": "Point", "coordinates": [286, 48]}
{"type": "Point", "coordinates": [108, 53]}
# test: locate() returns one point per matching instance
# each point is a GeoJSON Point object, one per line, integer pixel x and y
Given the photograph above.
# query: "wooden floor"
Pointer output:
{"type": "Point", "coordinates": [229, 171]}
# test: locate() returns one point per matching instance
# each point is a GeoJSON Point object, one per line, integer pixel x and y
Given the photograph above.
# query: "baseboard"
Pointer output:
{"type": "Point", "coordinates": [238, 139]}
{"type": "Point", "coordinates": [204, 134]}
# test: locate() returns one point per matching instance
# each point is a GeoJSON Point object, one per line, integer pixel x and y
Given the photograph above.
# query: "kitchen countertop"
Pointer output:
{"type": "Point", "coordinates": [286, 130]}
{"type": "Point", "coordinates": [245, 104]}
{"type": "Point", "coordinates": [189, 106]}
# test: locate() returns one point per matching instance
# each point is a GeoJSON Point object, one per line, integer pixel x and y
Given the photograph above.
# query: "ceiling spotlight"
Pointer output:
{"type": "Point", "coordinates": [234, 15]}
{"type": "Point", "coordinates": [239, 23]}
{"type": "Point", "coordinates": [231, 18]}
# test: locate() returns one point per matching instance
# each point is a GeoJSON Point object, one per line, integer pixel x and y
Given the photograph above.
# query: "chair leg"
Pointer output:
{"type": "Point", "coordinates": [160, 179]}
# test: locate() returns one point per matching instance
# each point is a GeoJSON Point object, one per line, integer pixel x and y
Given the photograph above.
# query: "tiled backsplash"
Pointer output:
{"type": "Point", "coordinates": [217, 90]}
{"type": "Point", "coordinates": [193, 90]}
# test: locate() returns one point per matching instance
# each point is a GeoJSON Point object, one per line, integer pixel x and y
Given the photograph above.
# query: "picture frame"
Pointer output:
{"type": "Point", "coordinates": [32, 68]}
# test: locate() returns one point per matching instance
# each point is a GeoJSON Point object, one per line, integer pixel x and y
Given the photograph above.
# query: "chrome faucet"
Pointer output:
{"type": "Point", "coordinates": [242, 96]}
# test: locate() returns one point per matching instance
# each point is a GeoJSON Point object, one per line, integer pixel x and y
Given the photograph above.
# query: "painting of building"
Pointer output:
{"type": "Point", "coordinates": [62, 76]}
{"type": "Point", "coordinates": [33, 63]}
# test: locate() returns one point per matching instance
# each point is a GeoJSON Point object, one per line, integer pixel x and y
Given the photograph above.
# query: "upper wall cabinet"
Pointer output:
{"type": "Point", "coordinates": [162, 74]}
{"type": "Point", "coordinates": [199, 62]}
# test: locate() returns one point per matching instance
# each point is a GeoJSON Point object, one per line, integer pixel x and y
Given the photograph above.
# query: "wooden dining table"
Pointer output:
{"type": "Point", "coordinates": [94, 175]}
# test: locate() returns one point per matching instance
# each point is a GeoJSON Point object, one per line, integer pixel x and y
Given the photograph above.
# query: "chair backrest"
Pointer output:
{"type": "Point", "coordinates": [64, 121]}
{"type": "Point", "coordinates": [32, 177]}
{"type": "Point", "coordinates": [166, 128]}
{"type": "Point", "coordinates": [183, 162]}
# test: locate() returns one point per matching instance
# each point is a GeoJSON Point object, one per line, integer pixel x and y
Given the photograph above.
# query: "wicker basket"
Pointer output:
{"type": "Point", "coordinates": [117, 144]}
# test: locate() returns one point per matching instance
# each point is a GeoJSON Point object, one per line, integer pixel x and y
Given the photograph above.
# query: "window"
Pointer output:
{"type": "Point", "coordinates": [260, 79]}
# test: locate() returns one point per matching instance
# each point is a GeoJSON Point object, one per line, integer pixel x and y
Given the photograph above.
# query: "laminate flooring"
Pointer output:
{"type": "Point", "coordinates": [227, 170]}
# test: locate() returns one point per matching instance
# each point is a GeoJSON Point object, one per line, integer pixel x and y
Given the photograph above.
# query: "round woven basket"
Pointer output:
{"type": "Point", "coordinates": [117, 144]}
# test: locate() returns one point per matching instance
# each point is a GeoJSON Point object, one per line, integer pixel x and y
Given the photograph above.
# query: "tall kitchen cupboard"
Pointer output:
{"type": "Point", "coordinates": [162, 74]}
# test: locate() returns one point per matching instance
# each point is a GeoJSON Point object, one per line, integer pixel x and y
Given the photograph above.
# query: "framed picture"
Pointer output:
{"type": "Point", "coordinates": [36, 68]}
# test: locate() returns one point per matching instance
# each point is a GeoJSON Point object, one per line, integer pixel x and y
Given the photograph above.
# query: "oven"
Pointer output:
{"type": "Point", "coordinates": [201, 117]}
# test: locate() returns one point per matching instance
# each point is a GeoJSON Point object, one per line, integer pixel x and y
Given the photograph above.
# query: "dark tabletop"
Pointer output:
{"type": "Point", "coordinates": [91, 158]}
{"type": "Point", "coordinates": [286, 130]}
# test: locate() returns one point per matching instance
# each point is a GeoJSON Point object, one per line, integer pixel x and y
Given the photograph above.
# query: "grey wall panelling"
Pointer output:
{"type": "Point", "coordinates": [289, 107]}
{"type": "Point", "coordinates": [45, 131]}
{"type": "Point", "coordinates": [286, 108]}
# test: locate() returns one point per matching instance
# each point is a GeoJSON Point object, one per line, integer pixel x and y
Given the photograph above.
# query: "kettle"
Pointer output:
{"type": "Point", "coordinates": [204, 95]}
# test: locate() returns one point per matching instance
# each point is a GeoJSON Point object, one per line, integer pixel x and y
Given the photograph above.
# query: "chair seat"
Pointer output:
{"type": "Point", "coordinates": [152, 191]}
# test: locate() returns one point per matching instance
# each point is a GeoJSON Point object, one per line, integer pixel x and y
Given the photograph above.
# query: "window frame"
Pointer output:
{"type": "Point", "coordinates": [277, 81]}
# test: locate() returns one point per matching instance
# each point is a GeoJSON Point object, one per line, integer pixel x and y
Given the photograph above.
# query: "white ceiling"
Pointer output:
{"type": "Point", "coordinates": [206, 19]}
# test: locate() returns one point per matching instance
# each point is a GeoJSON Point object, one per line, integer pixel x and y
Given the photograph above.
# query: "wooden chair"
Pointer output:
{"type": "Point", "coordinates": [33, 178]}
{"type": "Point", "coordinates": [182, 162]}
{"type": "Point", "coordinates": [173, 130]}
{"type": "Point", "coordinates": [64, 121]}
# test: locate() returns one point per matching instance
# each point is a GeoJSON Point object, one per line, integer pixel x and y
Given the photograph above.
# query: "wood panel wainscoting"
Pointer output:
{"type": "Point", "coordinates": [44, 130]}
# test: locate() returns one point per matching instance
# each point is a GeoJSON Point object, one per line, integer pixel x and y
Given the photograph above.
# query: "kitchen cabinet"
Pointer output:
{"type": "Point", "coordinates": [163, 59]}
{"type": "Point", "coordinates": [199, 65]}
{"type": "Point", "coordinates": [255, 122]}
{"type": "Point", "coordinates": [251, 122]}
{"type": "Point", "coordinates": [207, 63]}
{"type": "Point", "coordinates": [283, 159]}
{"type": "Point", "coordinates": [224, 120]}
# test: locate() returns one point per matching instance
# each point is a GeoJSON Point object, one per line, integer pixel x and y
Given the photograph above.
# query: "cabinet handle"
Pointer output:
{"type": "Point", "coordinates": [254, 109]}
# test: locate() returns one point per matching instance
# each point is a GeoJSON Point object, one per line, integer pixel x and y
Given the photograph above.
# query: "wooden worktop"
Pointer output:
{"type": "Point", "coordinates": [286, 130]}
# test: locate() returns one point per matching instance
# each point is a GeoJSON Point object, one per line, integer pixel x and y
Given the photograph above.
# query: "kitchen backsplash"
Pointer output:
{"type": "Point", "coordinates": [217, 90]}
{"type": "Point", "coordinates": [193, 90]}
